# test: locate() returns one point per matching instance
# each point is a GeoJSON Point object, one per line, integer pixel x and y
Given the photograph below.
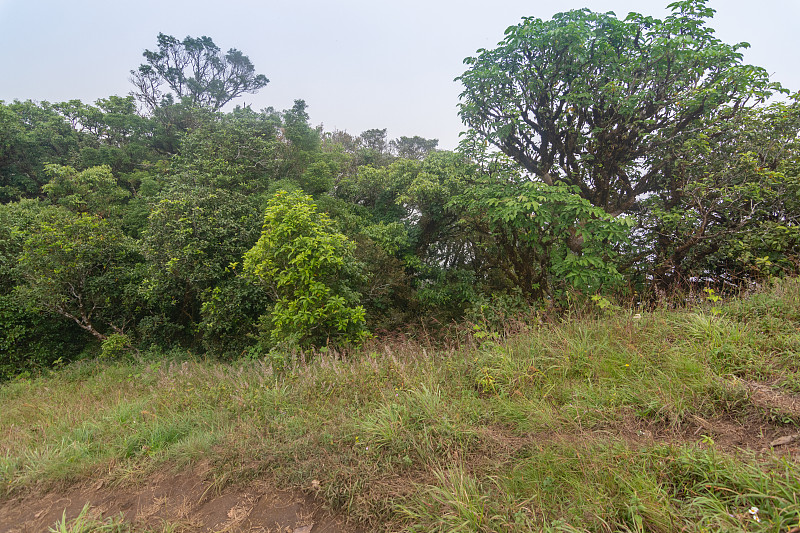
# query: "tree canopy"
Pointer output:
{"type": "Point", "coordinates": [603, 104]}
{"type": "Point", "coordinates": [605, 158]}
{"type": "Point", "coordinates": [197, 70]}
{"type": "Point", "coordinates": [305, 264]}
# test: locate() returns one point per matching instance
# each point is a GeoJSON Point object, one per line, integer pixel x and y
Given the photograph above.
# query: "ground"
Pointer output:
{"type": "Point", "coordinates": [184, 501]}
{"type": "Point", "coordinates": [670, 420]}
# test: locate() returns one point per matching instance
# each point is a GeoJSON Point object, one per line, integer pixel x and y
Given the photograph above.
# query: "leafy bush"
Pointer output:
{"type": "Point", "coordinates": [308, 267]}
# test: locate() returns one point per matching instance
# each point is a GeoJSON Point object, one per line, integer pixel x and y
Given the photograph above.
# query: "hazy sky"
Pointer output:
{"type": "Point", "coordinates": [359, 64]}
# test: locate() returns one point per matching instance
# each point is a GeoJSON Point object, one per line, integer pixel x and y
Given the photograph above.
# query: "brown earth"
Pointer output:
{"type": "Point", "coordinates": [187, 501]}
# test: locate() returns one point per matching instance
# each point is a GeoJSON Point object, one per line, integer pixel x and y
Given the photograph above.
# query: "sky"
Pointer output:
{"type": "Point", "coordinates": [358, 64]}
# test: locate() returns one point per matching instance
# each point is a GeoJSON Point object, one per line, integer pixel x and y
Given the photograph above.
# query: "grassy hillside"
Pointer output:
{"type": "Point", "coordinates": [663, 421]}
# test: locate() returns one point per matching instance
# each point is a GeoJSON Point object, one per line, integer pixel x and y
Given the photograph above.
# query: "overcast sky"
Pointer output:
{"type": "Point", "coordinates": [359, 64]}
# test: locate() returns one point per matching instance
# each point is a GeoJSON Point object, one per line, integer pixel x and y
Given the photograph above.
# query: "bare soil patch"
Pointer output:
{"type": "Point", "coordinates": [187, 499]}
{"type": "Point", "coordinates": [767, 396]}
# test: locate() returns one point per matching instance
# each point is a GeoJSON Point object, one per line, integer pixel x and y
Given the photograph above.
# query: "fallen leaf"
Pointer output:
{"type": "Point", "coordinates": [782, 441]}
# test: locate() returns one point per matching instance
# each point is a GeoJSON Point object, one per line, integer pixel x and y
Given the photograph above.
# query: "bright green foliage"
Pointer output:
{"type": "Point", "coordinates": [82, 268]}
{"type": "Point", "coordinates": [115, 345]}
{"type": "Point", "coordinates": [307, 266]}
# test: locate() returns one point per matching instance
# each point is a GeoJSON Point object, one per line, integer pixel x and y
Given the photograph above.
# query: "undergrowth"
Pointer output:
{"type": "Point", "coordinates": [614, 421]}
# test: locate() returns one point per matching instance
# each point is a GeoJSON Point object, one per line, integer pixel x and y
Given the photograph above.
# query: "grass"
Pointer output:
{"type": "Point", "coordinates": [90, 521]}
{"type": "Point", "coordinates": [599, 423]}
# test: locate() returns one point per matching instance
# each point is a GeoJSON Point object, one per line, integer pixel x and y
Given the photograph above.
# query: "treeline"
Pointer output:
{"type": "Point", "coordinates": [602, 157]}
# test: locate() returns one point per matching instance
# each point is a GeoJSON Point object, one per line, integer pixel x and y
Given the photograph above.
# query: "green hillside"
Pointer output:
{"type": "Point", "coordinates": [658, 421]}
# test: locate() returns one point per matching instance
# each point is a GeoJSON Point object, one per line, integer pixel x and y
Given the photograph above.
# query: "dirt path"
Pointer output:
{"type": "Point", "coordinates": [187, 501]}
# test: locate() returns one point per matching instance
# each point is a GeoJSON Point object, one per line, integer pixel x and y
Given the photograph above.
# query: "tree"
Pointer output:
{"type": "Point", "coordinates": [193, 236]}
{"type": "Point", "coordinates": [197, 71]}
{"type": "Point", "coordinates": [32, 135]}
{"type": "Point", "coordinates": [95, 190]}
{"type": "Point", "coordinates": [303, 140]}
{"type": "Point", "coordinates": [527, 227]}
{"type": "Point", "coordinates": [410, 243]}
{"type": "Point", "coordinates": [237, 151]}
{"type": "Point", "coordinates": [307, 267]}
{"type": "Point", "coordinates": [111, 133]}
{"type": "Point", "coordinates": [600, 104]}
{"type": "Point", "coordinates": [28, 337]}
{"type": "Point", "coordinates": [732, 211]}
{"type": "Point", "coordinates": [373, 148]}
{"type": "Point", "coordinates": [415, 147]}
{"type": "Point", "coordinates": [248, 152]}
{"type": "Point", "coordinates": [82, 268]}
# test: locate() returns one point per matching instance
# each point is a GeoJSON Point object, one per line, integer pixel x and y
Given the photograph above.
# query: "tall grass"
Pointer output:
{"type": "Point", "coordinates": [608, 422]}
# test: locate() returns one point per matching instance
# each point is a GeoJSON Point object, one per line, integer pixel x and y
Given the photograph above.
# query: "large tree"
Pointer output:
{"type": "Point", "coordinates": [604, 104]}
{"type": "Point", "coordinates": [196, 70]}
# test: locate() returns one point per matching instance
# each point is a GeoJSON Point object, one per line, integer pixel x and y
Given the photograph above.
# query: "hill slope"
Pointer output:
{"type": "Point", "coordinates": [664, 421]}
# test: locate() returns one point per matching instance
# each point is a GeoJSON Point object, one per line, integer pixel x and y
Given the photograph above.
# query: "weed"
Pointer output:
{"type": "Point", "coordinates": [89, 521]}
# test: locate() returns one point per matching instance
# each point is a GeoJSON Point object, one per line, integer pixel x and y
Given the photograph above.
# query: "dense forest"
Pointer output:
{"type": "Point", "coordinates": [602, 158]}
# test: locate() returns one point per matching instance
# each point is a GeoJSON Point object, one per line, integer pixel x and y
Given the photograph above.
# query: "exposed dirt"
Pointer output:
{"type": "Point", "coordinates": [768, 397]}
{"type": "Point", "coordinates": [187, 500]}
